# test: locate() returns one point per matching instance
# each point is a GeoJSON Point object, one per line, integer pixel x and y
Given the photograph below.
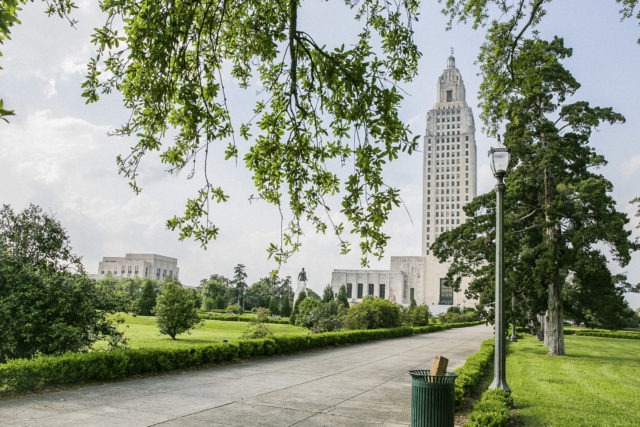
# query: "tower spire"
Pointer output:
{"type": "Point", "coordinates": [451, 62]}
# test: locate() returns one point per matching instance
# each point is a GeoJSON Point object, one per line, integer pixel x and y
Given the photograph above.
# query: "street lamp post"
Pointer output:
{"type": "Point", "coordinates": [499, 163]}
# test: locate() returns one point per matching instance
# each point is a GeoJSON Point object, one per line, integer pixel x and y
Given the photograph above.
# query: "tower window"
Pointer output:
{"type": "Point", "coordinates": [449, 96]}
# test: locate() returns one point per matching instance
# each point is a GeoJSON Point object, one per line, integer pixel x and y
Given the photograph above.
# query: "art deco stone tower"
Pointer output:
{"type": "Point", "coordinates": [449, 176]}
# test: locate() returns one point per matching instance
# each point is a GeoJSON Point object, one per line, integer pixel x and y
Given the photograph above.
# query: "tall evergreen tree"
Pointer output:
{"type": "Point", "coordinates": [274, 307]}
{"type": "Point", "coordinates": [285, 309]}
{"type": "Point", "coordinates": [327, 294]}
{"type": "Point", "coordinates": [145, 305]}
{"type": "Point", "coordinates": [239, 280]}
{"type": "Point", "coordinates": [559, 210]}
{"type": "Point", "coordinates": [342, 297]}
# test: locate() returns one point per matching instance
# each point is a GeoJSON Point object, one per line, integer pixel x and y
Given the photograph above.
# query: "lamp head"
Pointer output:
{"type": "Point", "coordinates": [499, 160]}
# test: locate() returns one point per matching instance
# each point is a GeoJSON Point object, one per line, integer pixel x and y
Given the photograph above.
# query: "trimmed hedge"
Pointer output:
{"type": "Point", "coordinates": [26, 375]}
{"type": "Point", "coordinates": [492, 410]}
{"type": "Point", "coordinates": [470, 374]}
{"type": "Point", "coordinates": [75, 368]}
{"type": "Point", "coordinates": [602, 333]}
{"type": "Point", "coordinates": [227, 317]}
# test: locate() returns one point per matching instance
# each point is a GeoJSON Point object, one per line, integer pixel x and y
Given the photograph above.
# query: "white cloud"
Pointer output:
{"type": "Point", "coordinates": [48, 149]}
{"type": "Point", "coordinates": [50, 89]}
{"type": "Point", "coordinates": [631, 166]}
{"type": "Point", "coordinates": [74, 64]}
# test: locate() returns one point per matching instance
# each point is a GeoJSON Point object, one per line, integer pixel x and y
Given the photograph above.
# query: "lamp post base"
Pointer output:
{"type": "Point", "coordinates": [499, 384]}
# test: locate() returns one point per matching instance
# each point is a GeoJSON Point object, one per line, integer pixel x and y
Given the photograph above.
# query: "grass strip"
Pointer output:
{"type": "Point", "coordinates": [596, 384]}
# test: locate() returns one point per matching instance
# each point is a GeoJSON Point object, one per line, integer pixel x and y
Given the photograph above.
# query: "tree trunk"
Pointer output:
{"type": "Point", "coordinates": [554, 331]}
{"type": "Point", "coordinates": [545, 331]}
{"type": "Point", "coordinates": [540, 327]}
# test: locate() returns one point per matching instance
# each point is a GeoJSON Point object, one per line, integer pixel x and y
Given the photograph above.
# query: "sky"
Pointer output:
{"type": "Point", "coordinates": [56, 151]}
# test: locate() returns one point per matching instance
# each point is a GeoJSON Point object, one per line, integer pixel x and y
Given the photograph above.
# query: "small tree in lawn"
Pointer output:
{"type": "Point", "coordinates": [175, 311]}
{"type": "Point", "coordinates": [146, 303]}
{"type": "Point", "coordinates": [258, 328]}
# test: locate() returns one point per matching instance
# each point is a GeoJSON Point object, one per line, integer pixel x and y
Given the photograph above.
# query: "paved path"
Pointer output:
{"type": "Point", "coordinates": [359, 385]}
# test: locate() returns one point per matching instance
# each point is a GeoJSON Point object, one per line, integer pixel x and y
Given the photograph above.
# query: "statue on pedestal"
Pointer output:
{"type": "Point", "coordinates": [302, 282]}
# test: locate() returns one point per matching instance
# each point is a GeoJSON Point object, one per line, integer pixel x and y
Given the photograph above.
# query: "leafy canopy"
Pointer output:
{"type": "Point", "coordinates": [316, 110]}
{"type": "Point", "coordinates": [45, 306]}
{"type": "Point", "coordinates": [36, 238]}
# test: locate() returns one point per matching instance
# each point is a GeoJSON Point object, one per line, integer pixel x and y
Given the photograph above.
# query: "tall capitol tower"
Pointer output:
{"type": "Point", "coordinates": [449, 182]}
{"type": "Point", "coordinates": [449, 176]}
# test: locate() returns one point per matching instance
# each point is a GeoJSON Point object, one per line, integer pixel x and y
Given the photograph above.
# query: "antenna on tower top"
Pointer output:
{"type": "Point", "coordinates": [451, 50]}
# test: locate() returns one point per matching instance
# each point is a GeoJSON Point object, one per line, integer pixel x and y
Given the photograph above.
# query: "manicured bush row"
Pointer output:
{"type": "Point", "coordinates": [492, 410]}
{"type": "Point", "coordinates": [74, 368]}
{"type": "Point", "coordinates": [239, 318]}
{"type": "Point", "coordinates": [441, 326]}
{"type": "Point", "coordinates": [24, 375]}
{"type": "Point", "coordinates": [603, 333]}
{"type": "Point", "coordinates": [470, 374]}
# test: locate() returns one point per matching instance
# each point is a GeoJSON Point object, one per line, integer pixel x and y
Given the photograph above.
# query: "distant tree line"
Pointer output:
{"type": "Point", "coordinates": [272, 292]}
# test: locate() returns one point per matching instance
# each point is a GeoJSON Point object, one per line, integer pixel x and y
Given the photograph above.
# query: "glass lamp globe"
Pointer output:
{"type": "Point", "coordinates": [499, 160]}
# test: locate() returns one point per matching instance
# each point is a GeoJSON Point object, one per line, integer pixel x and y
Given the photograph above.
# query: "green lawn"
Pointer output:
{"type": "Point", "coordinates": [596, 384]}
{"type": "Point", "coordinates": [142, 331]}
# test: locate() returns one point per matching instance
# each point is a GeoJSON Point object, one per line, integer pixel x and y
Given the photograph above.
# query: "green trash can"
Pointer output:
{"type": "Point", "coordinates": [432, 399]}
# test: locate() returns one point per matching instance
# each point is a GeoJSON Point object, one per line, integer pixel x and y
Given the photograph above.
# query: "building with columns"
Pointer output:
{"type": "Point", "coordinates": [151, 266]}
{"type": "Point", "coordinates": [448, 183]}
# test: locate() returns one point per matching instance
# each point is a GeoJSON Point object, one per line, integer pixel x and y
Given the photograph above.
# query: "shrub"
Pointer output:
{"type": "Point", "coordinates": [373, 313]}
{"type": "Point", "coordinates": [258, 328]}
{"type": "Point", "coordinates": [294, 313]}
{"type": "Point", "coordinates": [319, 316]}
{"type": "Point", "coordinates": [492, 410]}
{"type": "Point", "coordinates": [418, 316]}
{"type": "Point", "coordinates": [305, 311]}
{"type": "Point", "coordinates": [458, 315]}
{"type": "Point", "coordinates": [240, 318]}
{"type": "Point", "coordinates": [602, 333]}
{"type": "Point", "coordinates": [470, 374]}
{"type": "Point", "coordinates": [234, 309]}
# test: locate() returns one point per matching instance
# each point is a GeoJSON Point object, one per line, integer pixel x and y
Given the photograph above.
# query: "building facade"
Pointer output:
{"type": "Point", "coordinates": [449, 182]}
{"type": "Point", "coordinates": [151, 266]}
{"type": "Point", "coordinates": [449, 176]}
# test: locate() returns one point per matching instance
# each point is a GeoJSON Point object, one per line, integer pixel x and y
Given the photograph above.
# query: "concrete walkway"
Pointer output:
{"type": "Point", "coordinates": [359, 385]}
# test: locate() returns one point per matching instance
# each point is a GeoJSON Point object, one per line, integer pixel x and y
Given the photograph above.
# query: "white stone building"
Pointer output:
{"type": "Point", "coordinates": [152, 266]}
{"type": "Point", "coordinates": [449, 182]}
